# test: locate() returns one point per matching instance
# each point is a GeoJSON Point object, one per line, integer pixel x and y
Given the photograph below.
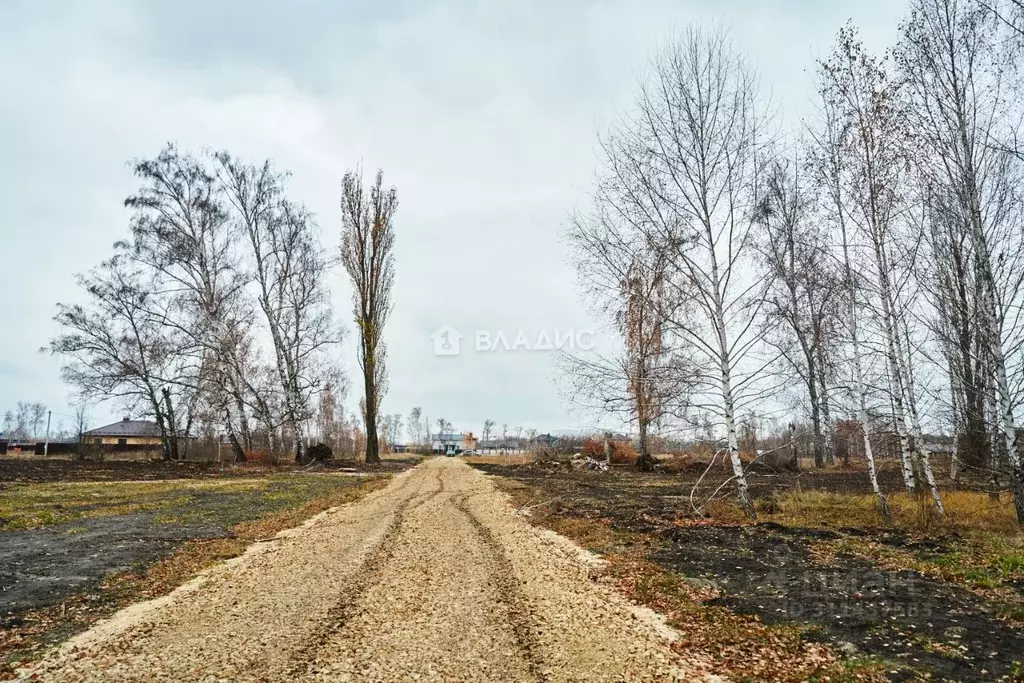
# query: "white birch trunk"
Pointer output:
{"type": "Point", "coordinates": [861, 386]}
{"type": "Point", "coordinates": [728, 401]}
{"type": "Point", "coordinates": [915, 422]}
{"type": "Point", "coordinates": [892, 359]}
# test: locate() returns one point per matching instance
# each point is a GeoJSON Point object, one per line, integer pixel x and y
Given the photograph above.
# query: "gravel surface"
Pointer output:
{"type": "Point", "coordinates": [434, 578]}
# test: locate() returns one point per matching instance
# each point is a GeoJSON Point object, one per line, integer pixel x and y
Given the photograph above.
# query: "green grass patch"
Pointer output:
{"type": "Point", "coordinates": [34, 506]}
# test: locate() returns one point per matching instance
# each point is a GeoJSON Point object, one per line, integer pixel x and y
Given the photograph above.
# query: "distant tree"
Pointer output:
{"type": "Point", "coordinates": [367, 252]}
{"type": "Point", "coordinates": [116, 345]}
{"type": "Point", "coordinates": [415, 425]}
{"type": "Point", "coordinates": [802, 303]}
{"type": "Point", "coordinates": [488, 430]}
{"type": "Point", "coordinates": [81, 424]}
{"type": "Point", "coordinates": [391, 429]}
{"type": "Point", "coordinates": [37, 419]}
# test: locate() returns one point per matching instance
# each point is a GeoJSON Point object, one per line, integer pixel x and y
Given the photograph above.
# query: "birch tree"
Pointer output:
{"type": "Point", "coordinates": [860, 88]}
{"type": "Point", "coordinates": [954, 65]}
{"type": "Point", "coordinates": [692, 157]}
{"type": "Point", "coordinates": [831, 139]}
{"type": "Point", "coordinates": [181, 230]}
{"type": "Point", "coordinates": [803, 292]}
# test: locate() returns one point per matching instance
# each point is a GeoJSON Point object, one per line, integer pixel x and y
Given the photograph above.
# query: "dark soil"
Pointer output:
{"type": "Point", "coordinates": [31, 470]}
{"type": "Point", "coordinates": [921, 628]}
{"type": "Point", "coordinates": [41, 470]}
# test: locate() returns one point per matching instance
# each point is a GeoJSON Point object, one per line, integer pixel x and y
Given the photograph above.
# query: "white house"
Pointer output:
{"type": "Point", "coordinates": [452, 443]}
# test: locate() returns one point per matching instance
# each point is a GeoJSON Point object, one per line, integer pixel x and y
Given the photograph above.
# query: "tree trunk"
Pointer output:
{"type": "Point", "coordinates": [819, 461]}
{"type": "Point", "coordinates": [372, 441]}
{"type": "Point", "coordinates": [826, 410]}
{"type": "Point", "coordinates": [923, 454]}
{"type": "Point", "coordinates": [862, 391]}
{"type": "Point", "coordinates": [236, 447]}
{"type": "Point", "coordinates": [173, 430]}
{"type": "Point", "coordinates": [644, 461]}
{"type": "Point", "coordinates": [1006, 423]}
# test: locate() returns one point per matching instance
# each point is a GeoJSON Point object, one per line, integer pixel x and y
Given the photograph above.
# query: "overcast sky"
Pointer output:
{"type": "Point", "coordinates": [483, 114]}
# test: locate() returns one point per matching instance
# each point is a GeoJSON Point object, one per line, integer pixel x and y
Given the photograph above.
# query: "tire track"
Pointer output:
{"type": "Point", "coordinates": [507, 591]}
{"type": "Point", "coordinates": [368, 575]}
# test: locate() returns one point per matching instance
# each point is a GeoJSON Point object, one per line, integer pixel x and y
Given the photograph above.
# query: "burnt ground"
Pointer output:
{"type": "Point", "coordinates": [40, 470]}
{"type": "Point", "coordinates": [921, 628]}
{"type": "Point", "coordinates": [43, 566]}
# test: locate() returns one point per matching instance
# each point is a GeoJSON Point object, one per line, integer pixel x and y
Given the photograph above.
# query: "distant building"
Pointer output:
{"type": "Point", "coordinates": [452, 443]}
{"type": "Point", "coordinates": [544, 440]}
{"type": "Point", "coordinates": [124, 433]}
{"type": "Point", "coordinates": [507, 445]}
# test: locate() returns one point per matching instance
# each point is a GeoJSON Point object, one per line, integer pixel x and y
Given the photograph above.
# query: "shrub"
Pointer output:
{"type": "Point", "coordinates": [320, 452]}
{"type": "Point", "coordinates": [679, 462]}
{"type": "Point", "coordinates": [592, 448]}
{"type": "Point", "coordinates": [622, 453]}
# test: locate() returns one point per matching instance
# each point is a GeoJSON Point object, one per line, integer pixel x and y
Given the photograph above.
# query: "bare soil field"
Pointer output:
{"type": "Point", "coordinates": [945, 603]}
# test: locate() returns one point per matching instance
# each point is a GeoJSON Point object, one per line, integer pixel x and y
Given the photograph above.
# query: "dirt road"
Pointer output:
{"type": "Point", "coordinates": [434, 578]}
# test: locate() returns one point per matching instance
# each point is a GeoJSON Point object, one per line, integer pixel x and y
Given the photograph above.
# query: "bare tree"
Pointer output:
{"type": "Point", "coordinates": [623, 276]}
{"type": "Point", "coordinates": [290, 269]}
{"type": "Point", "coordinates": [115, 347]}
{"type": "Point", "coordinates": [954, 65]}
{"type": "Point", "coordinates": [391, 430]}
{"type": "Point", "coordinates": [182, 231]}
{"type": "Point", "coordinates": [828, 153]}
{"type": "Point", "coordinates": [367, 252]}
{"type": "Point", "coordinates": [688, 161]}
{"type": "Point", "coordinates": [444, 429]}
{"type": "Point", "coordinates": [874, 173]}
{"type": "Point", "coordinates": [804, 288]}
{"type": "Point", "coordinates": [38, 416]}
{"type": "Point", "coordinates": [81, 423]}
{"type": "Point", "coordinates": [415, 425]}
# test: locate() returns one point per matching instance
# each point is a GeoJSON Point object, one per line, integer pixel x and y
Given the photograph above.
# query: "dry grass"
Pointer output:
{"type": "Point", "coordinates": [982, 543]}
{"type": "Point", "coordinates": [966, 511]}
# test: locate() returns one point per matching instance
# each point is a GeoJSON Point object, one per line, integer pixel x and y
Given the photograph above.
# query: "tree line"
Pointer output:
{"type": "Point", "coordinates": [864, 266]}
{"type": "Point", "coordinates": [214, 317]}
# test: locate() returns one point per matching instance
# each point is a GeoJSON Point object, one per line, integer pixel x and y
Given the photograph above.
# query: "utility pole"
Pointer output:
{"type": "Point", "coordinates": [46, 444]}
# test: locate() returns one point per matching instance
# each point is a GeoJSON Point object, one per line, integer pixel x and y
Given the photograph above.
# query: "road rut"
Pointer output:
{"type": "Point", "coordinates": [434, 578]}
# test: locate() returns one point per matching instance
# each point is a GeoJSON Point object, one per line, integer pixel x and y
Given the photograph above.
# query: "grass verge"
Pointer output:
{"type": "Point", "coordinates": [33, 506]}
{"type": "Point", "coordinates": [977, 544]}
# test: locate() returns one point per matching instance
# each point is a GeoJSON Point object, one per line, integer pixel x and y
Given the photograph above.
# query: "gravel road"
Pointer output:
{"type": "Point", "coordinates": [434, 578]}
